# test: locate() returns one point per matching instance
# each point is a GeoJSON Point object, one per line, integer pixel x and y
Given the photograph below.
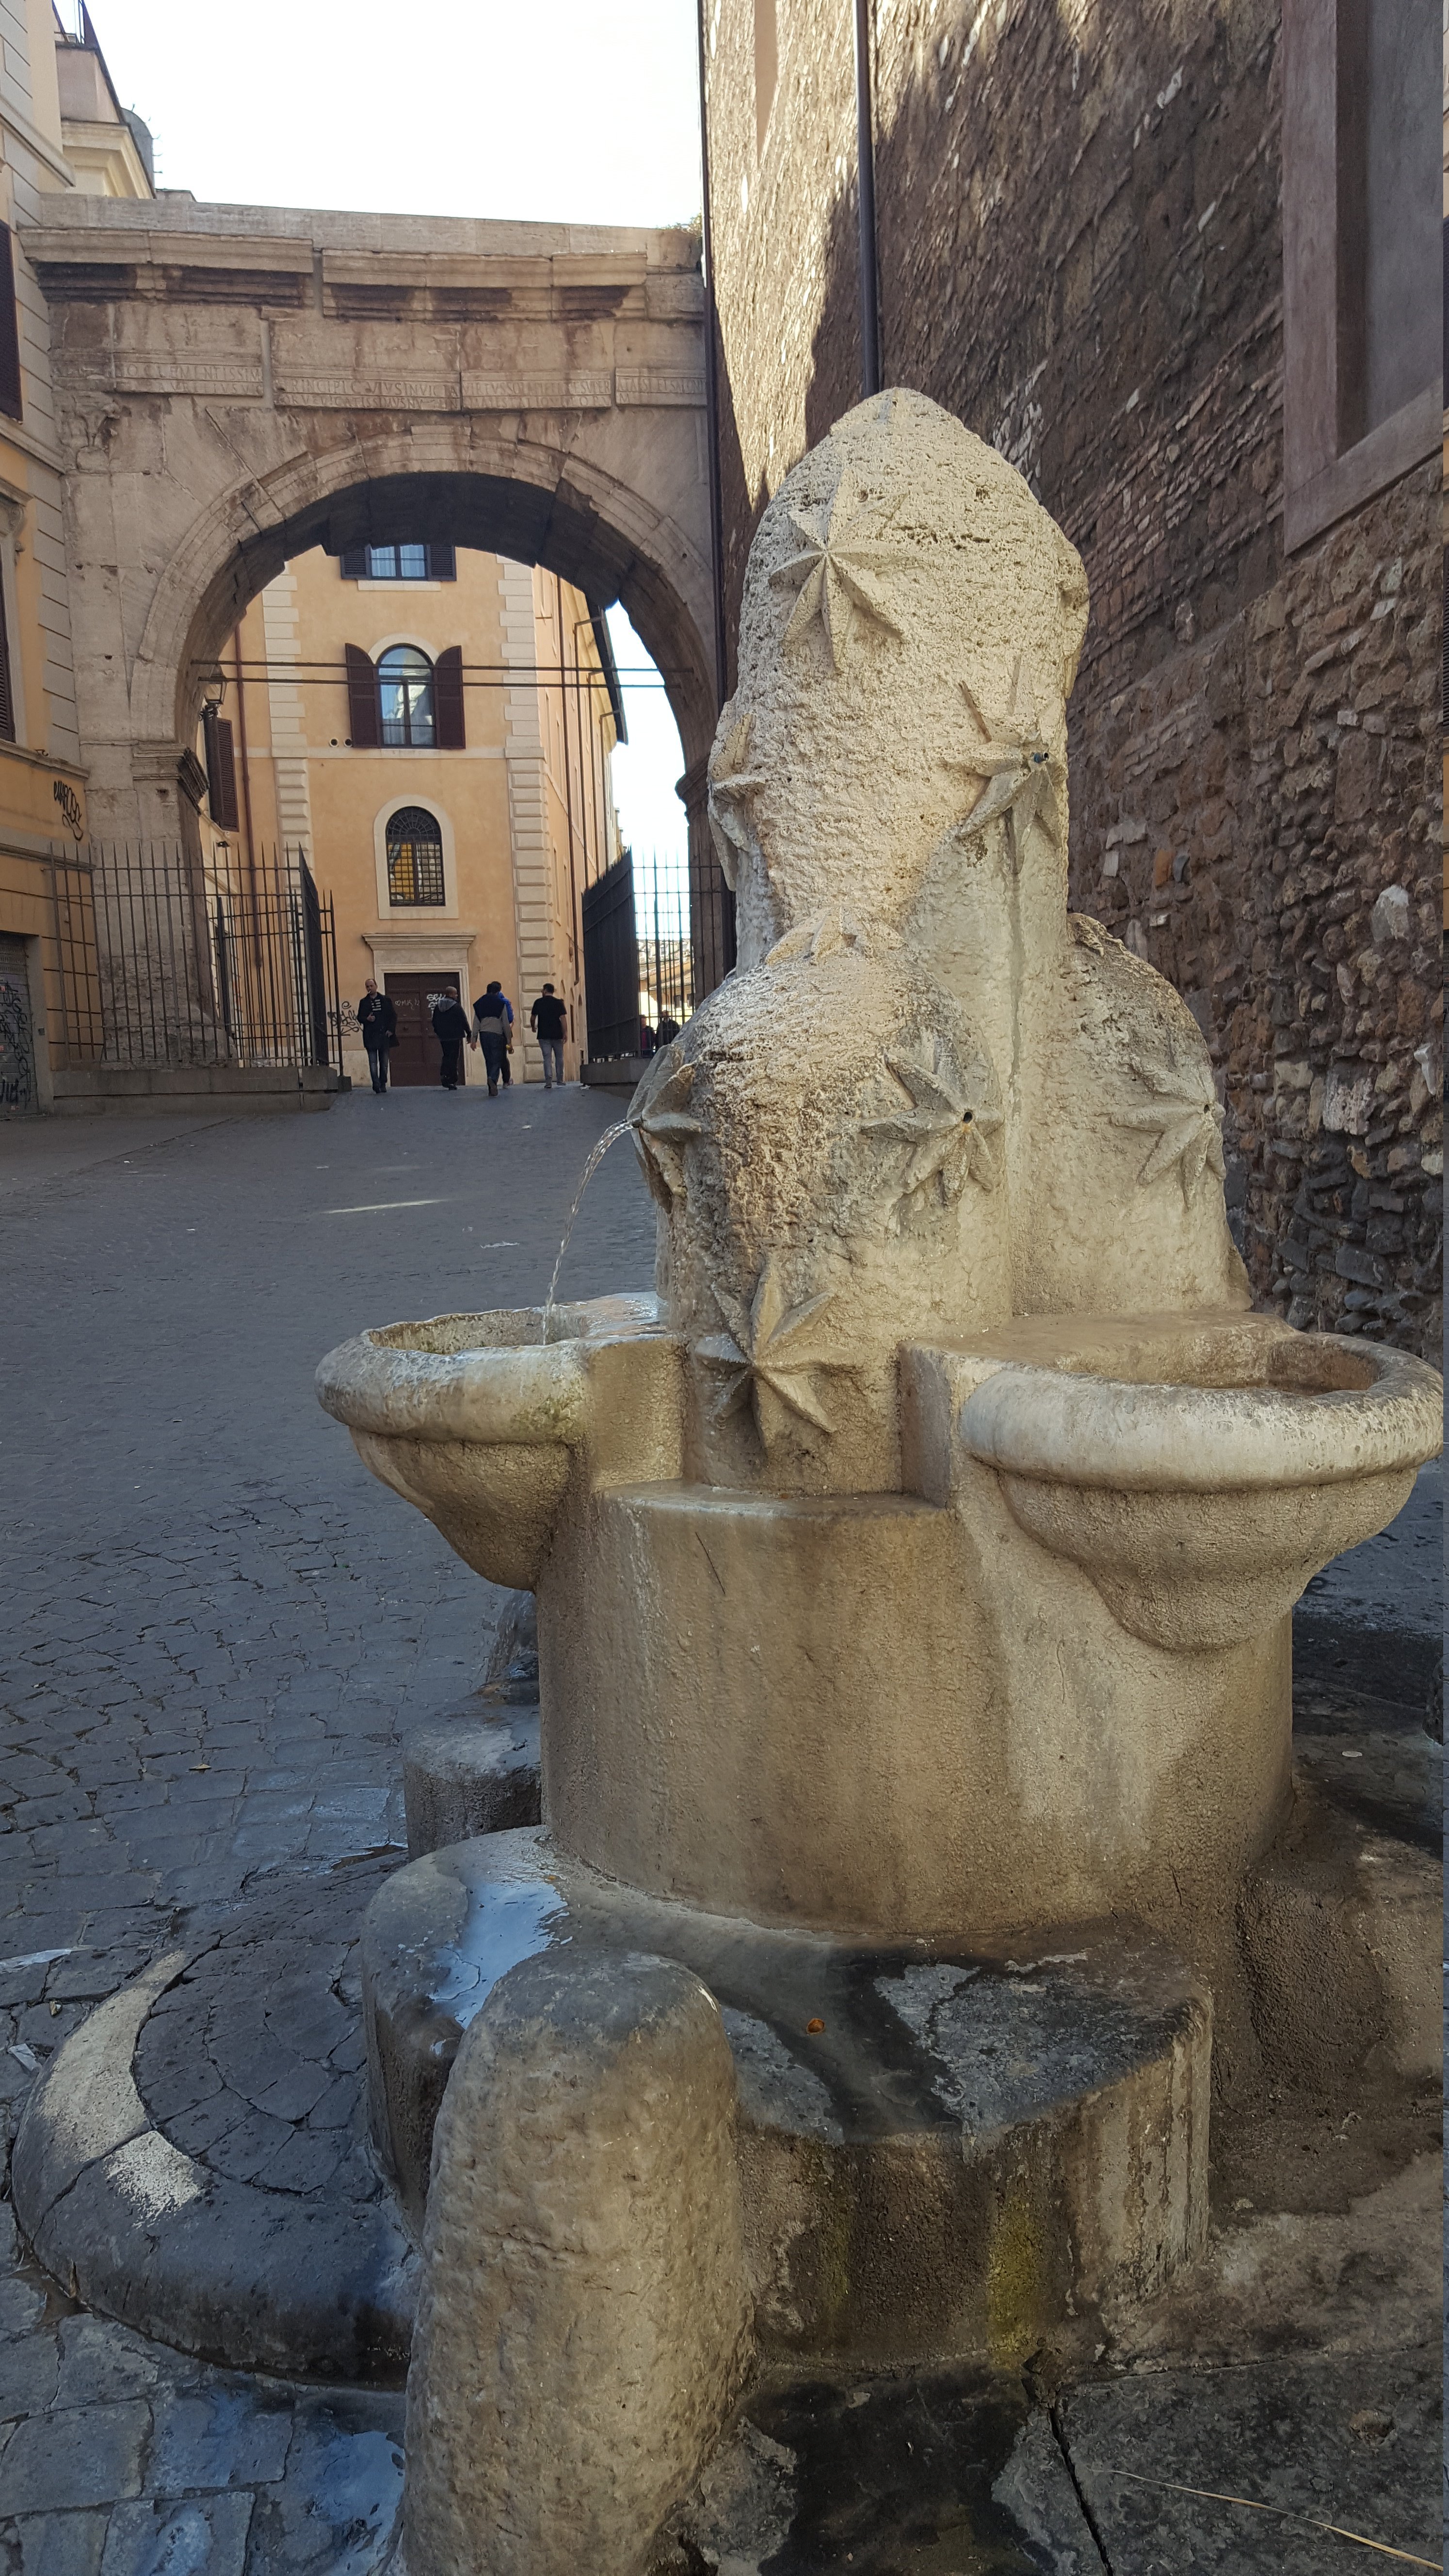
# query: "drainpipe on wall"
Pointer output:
{"type": "Point", "coordinates": [870, 366]}
{"type": "Point", "coordinates": [711, 388]}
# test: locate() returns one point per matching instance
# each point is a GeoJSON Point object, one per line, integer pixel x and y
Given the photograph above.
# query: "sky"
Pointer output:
{"type": "Point", "coordinates": [555, 112]}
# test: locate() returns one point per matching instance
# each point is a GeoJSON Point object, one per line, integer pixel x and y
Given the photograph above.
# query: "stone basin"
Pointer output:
{"type": "Point", "coordinates": [1201, 1470]}
{"type": "Point", "coordinates": [475, 1419]}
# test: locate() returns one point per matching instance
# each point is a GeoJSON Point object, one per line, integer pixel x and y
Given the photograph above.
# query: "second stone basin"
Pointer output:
{"type": "Point", "coordinates": [1200, 1469]}
{"type": "Point", "coordinates": [476, 1419]}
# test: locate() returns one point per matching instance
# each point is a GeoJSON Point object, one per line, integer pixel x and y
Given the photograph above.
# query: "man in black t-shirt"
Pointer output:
{"type": "Point", "coordinates": [548, 1020]}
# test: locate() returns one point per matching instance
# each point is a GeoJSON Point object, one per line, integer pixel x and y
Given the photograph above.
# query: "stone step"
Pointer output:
{"type": "Point", "coordinates": [196, 2160]}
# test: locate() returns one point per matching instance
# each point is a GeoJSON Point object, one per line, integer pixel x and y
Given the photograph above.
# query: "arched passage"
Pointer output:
{"type": "Point", "coordinates": [594, 535]}
{"type": "Point", "coordinates": [236, 385]}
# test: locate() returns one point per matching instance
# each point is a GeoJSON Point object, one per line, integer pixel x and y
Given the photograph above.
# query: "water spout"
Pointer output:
{"type": "Point", "coordinates": [609, 1137]}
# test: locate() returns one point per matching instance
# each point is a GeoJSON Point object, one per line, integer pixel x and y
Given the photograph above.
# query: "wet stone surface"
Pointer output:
{"type": "Point", "coordinates": [253, 2062]}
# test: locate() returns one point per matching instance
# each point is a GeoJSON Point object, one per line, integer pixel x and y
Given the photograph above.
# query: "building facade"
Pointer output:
{"type": "Point", "coordinates": [1181, 266]}
{"type": "Point", "coordinates": [431, 727]}
{"type": "Point", "coordinates": [46, 72]}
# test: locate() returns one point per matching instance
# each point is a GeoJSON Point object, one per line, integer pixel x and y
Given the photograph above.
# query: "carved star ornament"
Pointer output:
{"type": "Point", "coordinates": [1016, 761]}
{"type": "Point", "coordinates": [769, 1357]}
{"type": "Point", "coordinates": [842, 574]}
{"type": "Point", "coordinates": [946, 1132]}
{"type": "Point", "coordinates": [733, 780]}
{"type": "Point", "coordinates": [1184, 1120]}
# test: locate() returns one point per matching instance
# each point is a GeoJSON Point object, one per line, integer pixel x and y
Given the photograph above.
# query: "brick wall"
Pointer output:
{"type": "Point", "coordinates": [1080, 255]}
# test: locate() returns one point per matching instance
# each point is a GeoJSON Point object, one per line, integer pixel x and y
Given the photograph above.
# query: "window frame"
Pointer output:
{"type": "Point", "coordinates": [409, 741]}
{"type": "Point", "coordinates": [414, 903]}
{"type": "Point", "coordinates": [424, 915]}
{"type": "Point", "coordinates": [1324, 480]}
{"type": "Point", "coordinates": [440, 563]}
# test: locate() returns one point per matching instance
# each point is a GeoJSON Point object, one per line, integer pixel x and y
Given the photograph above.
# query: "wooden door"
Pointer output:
{"type": "Point", "coordinates": [417, 1057]}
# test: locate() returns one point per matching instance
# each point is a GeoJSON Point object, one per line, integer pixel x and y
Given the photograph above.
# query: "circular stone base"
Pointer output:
{"type": "Point", "coordinates": [196, 2160]}
{"type": "Point", "coordinates": [942, 2154]}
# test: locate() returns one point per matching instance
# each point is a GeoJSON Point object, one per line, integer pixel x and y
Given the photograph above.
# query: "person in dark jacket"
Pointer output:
{"type": "Point", "coordinates": [494, 1020]}
{"type": "Point", "coordinates": [377, 1019]}
{"type": "Point", "coordinates": [450, 1028]}
{"type": "Point", "coordinates": [546, 1019]}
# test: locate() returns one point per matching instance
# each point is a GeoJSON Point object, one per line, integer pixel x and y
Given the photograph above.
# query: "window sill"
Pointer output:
{"type": "Point", "coordinates": [371, 582]}
{"type": "Point", "coordinates": [1408, 439]}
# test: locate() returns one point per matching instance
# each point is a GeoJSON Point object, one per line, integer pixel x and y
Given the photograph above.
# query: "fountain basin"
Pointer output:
{"type": "Point", "coordinates": [941, 2152]}
{"type": "Point", "coordinates": [477, 1419]}
{"type": "Point", "coordinates": [1201, 1470]}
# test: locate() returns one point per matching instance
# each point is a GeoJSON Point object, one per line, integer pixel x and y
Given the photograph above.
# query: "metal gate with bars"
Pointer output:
{"type": "Point", "coordinates": [611, 963]}
{"type": "Point", "coordinates": [164, 961]}
{"type": "Point", "coordinates": [638, 958]}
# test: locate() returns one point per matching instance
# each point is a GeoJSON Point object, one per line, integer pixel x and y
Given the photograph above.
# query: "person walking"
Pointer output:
{"type": "Point", "coordinates": [450, 1028]}
{"type": "Point", "coordinates": [547, 1021]}
{"type": "Point", "coordinates": [377, 1019]}
{"type": "Point", "coordinates": [493, 1018]}
{"type": "Point", "coordinates": [667, 1031]}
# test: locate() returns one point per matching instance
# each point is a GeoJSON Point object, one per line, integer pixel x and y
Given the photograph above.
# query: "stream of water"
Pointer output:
{"type": "Point", "coordinates": [609, 1137]}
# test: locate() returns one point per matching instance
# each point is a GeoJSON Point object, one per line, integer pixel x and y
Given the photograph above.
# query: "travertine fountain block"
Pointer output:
{"type": "Point", "coordinates": [914, 1568]}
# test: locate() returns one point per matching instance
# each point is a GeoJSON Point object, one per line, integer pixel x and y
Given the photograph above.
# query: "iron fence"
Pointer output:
{"type": "Point", "coordinates": [666, 952]}
{"type": "Point", "coordinates": [165, 959]}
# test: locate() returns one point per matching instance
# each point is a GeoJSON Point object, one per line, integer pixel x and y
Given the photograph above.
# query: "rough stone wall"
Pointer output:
{"type": "Point", "coordinates": [1257, 815]}
{"type": "Point", "coordinates": [1080, 254]}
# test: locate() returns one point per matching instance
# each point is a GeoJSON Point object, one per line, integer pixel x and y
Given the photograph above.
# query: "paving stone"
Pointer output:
{"type": "Point", "coordinates": [29, 2370]}
{"type": "Point", "coordinates": [204, 2537]}
{"type": "Point", "coordinates": [1352, 2440]}
{"type": "Point", "coordinates": [101, 2362]}
{"type": "Point", "coordinates": [337, 2507]}
{"type": "Point", "coordinates": [76, 2456]}
{"type": "Point", "coordinates": [58, 2544]}
{"type": "Point", "coordinates": [218, 2436]}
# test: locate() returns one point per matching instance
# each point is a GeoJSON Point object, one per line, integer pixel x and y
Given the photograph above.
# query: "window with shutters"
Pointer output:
{"type": "Point", "coordinates": [399, 563]}
{"type": "Point", "coordinates": [414, 857]}
{"type": "Point", "coordinates": [405, 697]}
{"type": "Point", "coordinates": [220, 770]}
{"type": "Point", "coordinates": [10, 397]}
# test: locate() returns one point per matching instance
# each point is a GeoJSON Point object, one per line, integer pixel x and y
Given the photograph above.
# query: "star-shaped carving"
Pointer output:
{"type": "Point", "coordinates": [1184, 1119]}
{"type": "Point", "coordinates": [1015, 760]}
{"type": "Point", "coordinates": [732, 782]}
{"type": "Point", "coordinates": [769, 1357]}
{"type": "Point", "coordinates": [824, 936]}
{"type": "Point", "coordinates": [947, 1129]}
{"type": "Point", "coordinates": [663, 1125]}
{"type": "Point", "coordinates": [840, 575]}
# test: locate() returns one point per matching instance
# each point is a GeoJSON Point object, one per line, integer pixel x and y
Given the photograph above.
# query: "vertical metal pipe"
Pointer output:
{"type": "Point", "coordinates": [711, 384]}
{"type": "Point", "coordinates": [870, 362]}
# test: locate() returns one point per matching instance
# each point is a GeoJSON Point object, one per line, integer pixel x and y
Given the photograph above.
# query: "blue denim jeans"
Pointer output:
{"type": "Point", "coordinates": [552, 1061]}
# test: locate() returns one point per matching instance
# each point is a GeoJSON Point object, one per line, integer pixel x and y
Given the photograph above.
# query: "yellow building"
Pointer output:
{"type": "Point", "coordinates": [45, 908]}
{"type": "Point", "coordinates": [431, 729]}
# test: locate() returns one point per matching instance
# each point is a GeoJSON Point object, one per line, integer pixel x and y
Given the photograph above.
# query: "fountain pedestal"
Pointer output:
{"type": "Point", "coordinates": [914, 1569]}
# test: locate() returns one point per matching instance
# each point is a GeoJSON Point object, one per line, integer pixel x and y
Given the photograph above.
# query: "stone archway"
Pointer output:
{"type": "Point", "coordinates": [235, 385]}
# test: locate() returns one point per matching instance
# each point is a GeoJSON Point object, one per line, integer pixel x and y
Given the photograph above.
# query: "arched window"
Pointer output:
{"type": "Point", "coordinates": [405, 689]}
{"type": "Point", "coordinates": [414, 857]}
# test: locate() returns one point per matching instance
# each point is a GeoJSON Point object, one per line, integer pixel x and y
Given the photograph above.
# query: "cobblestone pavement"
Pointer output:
{"type": "Point", "coordinates": [217, 1627]}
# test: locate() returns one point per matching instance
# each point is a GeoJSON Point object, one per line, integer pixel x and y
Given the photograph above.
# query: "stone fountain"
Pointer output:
{"type": "Point", "coordinates": [914, 1571]}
